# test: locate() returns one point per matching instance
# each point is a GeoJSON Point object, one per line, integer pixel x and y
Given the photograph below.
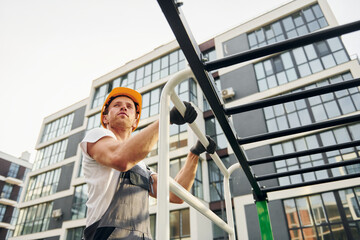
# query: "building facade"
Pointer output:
{"type": "Point", "coordinates": [12, 175]}
{"type": "Point", "coordinates": [53, 203]}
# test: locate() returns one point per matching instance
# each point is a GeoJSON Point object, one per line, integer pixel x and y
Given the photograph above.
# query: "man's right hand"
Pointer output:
{"type": "Point", "coordinates": [189, 116]}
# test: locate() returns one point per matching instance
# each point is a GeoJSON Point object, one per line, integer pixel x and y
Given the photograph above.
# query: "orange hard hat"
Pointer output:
{"type": "Point", "coordinates": [123, 91]}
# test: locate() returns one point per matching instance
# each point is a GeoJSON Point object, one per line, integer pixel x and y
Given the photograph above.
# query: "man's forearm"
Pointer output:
{"type": "Point", "coordinates": [143, 142]}
{"type": "Point", "coordinates": [186, 175]}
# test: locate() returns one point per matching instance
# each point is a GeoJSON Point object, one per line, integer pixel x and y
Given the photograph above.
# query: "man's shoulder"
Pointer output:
{"type": "Point", "coordinates": [97, 133]}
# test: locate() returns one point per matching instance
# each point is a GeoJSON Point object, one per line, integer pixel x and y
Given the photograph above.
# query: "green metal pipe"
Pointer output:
{"type": "Point", "coordinates": [264, 220]}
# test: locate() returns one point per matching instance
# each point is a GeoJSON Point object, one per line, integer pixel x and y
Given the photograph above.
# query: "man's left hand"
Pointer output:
{"type": "Point", "coordinates": [199, 148]}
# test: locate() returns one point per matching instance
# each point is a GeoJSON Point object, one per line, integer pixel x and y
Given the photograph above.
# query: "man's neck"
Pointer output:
{"type": "Point", "coordinates": [121, 133]}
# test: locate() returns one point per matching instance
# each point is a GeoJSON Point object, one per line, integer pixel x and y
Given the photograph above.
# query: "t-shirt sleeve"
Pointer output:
{"type": "Point", "coordinates": [93, 136]}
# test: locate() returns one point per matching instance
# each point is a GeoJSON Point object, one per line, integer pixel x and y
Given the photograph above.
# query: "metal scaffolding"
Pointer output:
{"type": "Point", "coordinates": [200, 70]}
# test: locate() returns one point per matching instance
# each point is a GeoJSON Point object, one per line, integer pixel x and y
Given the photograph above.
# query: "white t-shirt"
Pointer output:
{"type": "Point", "coordinates": [101, 180]}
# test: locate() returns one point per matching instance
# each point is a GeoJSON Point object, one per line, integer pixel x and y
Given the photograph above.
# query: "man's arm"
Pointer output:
{"type": "Point", "coordinates": [185, 177]}
{"type": "Point", "coordinates": [124, 155]}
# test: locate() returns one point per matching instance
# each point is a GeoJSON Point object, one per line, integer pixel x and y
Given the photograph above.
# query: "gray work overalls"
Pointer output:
{"type": "Point", "coordinates": [127, 216]}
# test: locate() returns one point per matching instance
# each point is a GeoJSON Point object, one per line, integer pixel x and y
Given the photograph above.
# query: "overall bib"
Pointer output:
{"type": "Point", "coordinates": [127, 216]}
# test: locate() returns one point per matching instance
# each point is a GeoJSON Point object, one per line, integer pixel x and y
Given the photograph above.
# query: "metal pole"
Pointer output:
{"type": "Point", "coordinates": [198, 205]}
{"type": "Point", "coordinates": [310, 169]}
{"type": "Point", "coordinates": [304, 153]}
{"type": "Point", "coordinates": [165, 183]}
{"type": "Point", "coordinates": [192, 53]}
{"type": "Point", "coordinates": [227, 196]}
{"type": "Point", "coordinates": [306, 128]}
{"type": "Point", "coordinates": [264, 220]}
{"type": "Point", "coordinates": [162, 220]}
{"type": "Point", "coordinates": [293, 96]}
{"type": "Point", "coordinates": [284, 45]}
{"type": "Point", "coordinates": [326, 180]}
{"type": "Point", "coordinates": [221, 205]}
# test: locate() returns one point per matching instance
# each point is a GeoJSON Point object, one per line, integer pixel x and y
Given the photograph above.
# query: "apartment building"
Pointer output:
{"type": "Point", "coordinates": [12, 175]}
{"type": "Point", "coordinates": [53, 202]}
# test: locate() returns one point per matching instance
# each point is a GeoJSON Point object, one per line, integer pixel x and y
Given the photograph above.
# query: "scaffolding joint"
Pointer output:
{"type": "Point", "coordinates": [262, 197]}
{"type": "Point", "coordinates": [178, 3]}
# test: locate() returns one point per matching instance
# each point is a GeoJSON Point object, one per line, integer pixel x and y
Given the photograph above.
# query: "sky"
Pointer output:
{"type": "Point", "coordinates": [51, 51]}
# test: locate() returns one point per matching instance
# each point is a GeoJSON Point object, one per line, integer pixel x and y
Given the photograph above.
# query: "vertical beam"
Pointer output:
{"type": "Point", "coordinates": [264, 220]}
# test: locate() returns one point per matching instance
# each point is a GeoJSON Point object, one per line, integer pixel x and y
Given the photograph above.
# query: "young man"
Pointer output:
{"type": "Point", "coordinates": [119, 183]}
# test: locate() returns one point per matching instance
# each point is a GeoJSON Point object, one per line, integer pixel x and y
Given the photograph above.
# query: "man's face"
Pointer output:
{"type": "Point", "coordinates": [121, 112]}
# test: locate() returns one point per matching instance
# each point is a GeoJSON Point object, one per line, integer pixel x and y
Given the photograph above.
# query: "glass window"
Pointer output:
{"type": "Point", "coordinates": [216, 179]}
{"type": "Point", "coordinates": [43, 184]}
{"type": "Point", "coordinates": [13, 170]}
{"type": "Point", "coordinates": [180, 224]}
{"type": "Point", "coordinates": [57, 127]}
{"type": "Point", "coordinates": [177, 164]}
{"type": "Point", "coordinates": [6, 191]}
{"type": "Point", "coordinates": [93, 121]}
{"type": "Point", "coordinates": [299, 55]}
{"type": "Point", "coordinates": [309, 59]}
{"type": "Point", "coordinates": [178, 136]}
{"type": "Point", "coordinates": [213, 129]}
{"type": "Point", "coordinates": [151, 103]}
{"type": "Point", "coordinates": [299, 23]}
{"type": "Point", "coordinates": [78, 209]}
{"type": "Point", "coordinates": [50, 154]}
{"type": "Point", "coordinates": [34, 219]}
{"type": "Point", "coordinates": [318, 217]}
{"type": "Point", "coordinates": [142, 76]}
{"type": "Point", "coordinates": [75, 233]}
{"type": "Point", "coordinates": [325, 106]}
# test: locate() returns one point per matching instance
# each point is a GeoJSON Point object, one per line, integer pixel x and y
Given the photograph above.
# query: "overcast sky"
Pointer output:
{"type": "Point", "coordinates": [51, 51]}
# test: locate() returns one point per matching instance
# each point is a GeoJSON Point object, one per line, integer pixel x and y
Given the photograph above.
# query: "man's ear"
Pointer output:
{"type": "Point", "coordinates": [105, 121]}
{"type": "Point", "coordinates": [136, 121]}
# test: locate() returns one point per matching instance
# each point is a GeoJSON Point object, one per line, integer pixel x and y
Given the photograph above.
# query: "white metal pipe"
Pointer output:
{"type": "Point", "coordinates": [198, 205]}
{"type": "Point", "coordinates": [227, 196]}
{"type": "Point", "coordinates": [202, 138]}
{"type": "Point", "coordinates": [162, 219]}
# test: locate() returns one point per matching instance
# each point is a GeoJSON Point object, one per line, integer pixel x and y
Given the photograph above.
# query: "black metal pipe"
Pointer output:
{"type": "Point", "coordinates": [304, 153]}
{"type": "Point", "coordinates": [306, 128]}
{"type": "Point", "coordinates": [326, 180]}
{"type": "Point", "coordinates": [190, 48]}
{"type": "Point", "coordinates": [293, 96]}
{"type": "Point", "coordinates": [282, 46]}
{"type": "Point", "coordinates": [310, 169]}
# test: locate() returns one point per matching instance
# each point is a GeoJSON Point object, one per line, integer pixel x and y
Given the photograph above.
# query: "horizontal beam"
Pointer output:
{"type": "Point", "coordinates": [293, 96]}
{"type": "Point", "coordinates": [283, 45]}
{"type": "Point", "coordinates": [325, 180]}
{"type": "Point", "coordinates": [304, 153]}
{"type": "Point", "coordinates": [306, 128]}
{"type": "Point", "coordinates": [310, 169]}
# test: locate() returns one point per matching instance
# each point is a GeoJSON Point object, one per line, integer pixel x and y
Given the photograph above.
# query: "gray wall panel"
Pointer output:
{"type": "Point", "coordinates": [250, 123]}
{"type": "Point", "coordinates": [236, 45]}
{"type": "Point", "coordinates": [65, 177]}
{"type": "Point", "coordinates": [65, 205]}
{"type": "Point", "coordinates": [73, 143]}
{"type": "Point", "coordinates": [242, 80]}
{"type": "Point", "coordinates": [78, 118]}
{"type": "Point", "coordinates": [252, 222]}
{"type": "Point", "coordinates": [277, 219]}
